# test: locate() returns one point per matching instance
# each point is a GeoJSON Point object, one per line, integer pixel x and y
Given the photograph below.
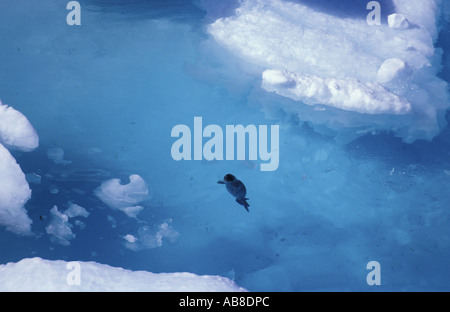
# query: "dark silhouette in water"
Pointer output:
{"type": "Point", "coordinates": [237, 189]}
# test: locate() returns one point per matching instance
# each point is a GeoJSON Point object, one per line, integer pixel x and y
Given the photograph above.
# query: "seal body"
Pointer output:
{"type": "Point", "coordinates": [236, 188]}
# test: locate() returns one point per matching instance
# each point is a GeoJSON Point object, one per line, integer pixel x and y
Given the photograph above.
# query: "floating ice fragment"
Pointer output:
{"type": "Point", "coordinates": [76, 211]}
{"type": "Point", "coordinates": [130, 238]}
{"type": "Point", "coordinates": [112, 220]}
{"type": "Point", "coordinates": [152, 236]}
{"type": "Point", "coordinates": [132, 211]}
{"type": "Point", "coordinates": [124, 197]}
{"type": "Point", "coordinates": [80, 224]}
{"type": "Point", "coordinates": [57, 155]}
{"type": "Point", "coordinates": [59, 228]}
{"type": "Point", "coordinates": [16, 131]}
{"type": "Point", "coordinates": [398, 21]}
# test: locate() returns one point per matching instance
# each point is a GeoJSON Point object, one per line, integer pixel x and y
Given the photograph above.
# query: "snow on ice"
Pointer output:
{"type": "Point", "coordinates": [37, 274]}
{"type": "Point", "coordinates": [310, 57]}
{"type": "Point", "coordinates": [16, 132]}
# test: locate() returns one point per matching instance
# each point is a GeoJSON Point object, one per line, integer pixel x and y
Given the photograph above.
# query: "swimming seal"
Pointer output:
{"type": "Point", "coordinates": [236, 188]}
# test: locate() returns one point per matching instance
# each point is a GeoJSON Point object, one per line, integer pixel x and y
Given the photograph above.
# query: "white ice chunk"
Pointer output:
{"type": "Point", "coordinates": [124, 197]}
{"type": "Point", "coordinates": [56, 154]}
{"type": "Point", "coordinates": [390, 69]}
{"type": "Point", "coordinates": [80, 224]}
{"type": "Point", "coordinates": [132, 211]}
{"type": "Point", "coordinates": [14, 193]}
{"type": "Point", "coordinates": [152, 236]}
{"type": "Point", "coordinates": [130, 238]}
{"type": "Point", "coordinates": [276, 77]}
{"type": "Point", "coordinates": [75, 210]}
{"type": "Point", "coordinates": [59, 228]}
{"type": "Point", "coordinates": [36, 274]}
{"type": "Point", "coordinates": [398, 21]}
{"type": "Point", "coordinates": [347, 94]}
{"type": "Point", "coordinates": [15, 130]}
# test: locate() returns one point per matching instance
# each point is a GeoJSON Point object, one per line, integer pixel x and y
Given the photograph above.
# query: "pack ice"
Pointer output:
{"type": "Point", "coordinates": [16, 132]}
{"type": "Point", "coordinates": [341, 75]}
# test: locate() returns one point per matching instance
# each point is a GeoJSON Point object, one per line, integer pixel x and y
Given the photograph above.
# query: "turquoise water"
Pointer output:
{"type": "Point", "coordinates": [109, 92]}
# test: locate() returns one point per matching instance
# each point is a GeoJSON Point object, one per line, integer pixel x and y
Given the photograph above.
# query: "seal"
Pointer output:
{"type": "Point", "coordinates": [236, 188]}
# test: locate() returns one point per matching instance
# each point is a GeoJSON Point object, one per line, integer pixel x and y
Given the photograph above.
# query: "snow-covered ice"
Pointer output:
{"type": "Point", "coordinates": [340, 62]}
{"type": "Point", "coordinates": [14, 193]}
{"type": "Point", "coordinates": [15, 130]}
{"type": "Point", "coordinates": [346, 94]}
{"type": "Point", "coordinates": [37, 274]}
{"type": "Point", "coordinates": [391, 69]}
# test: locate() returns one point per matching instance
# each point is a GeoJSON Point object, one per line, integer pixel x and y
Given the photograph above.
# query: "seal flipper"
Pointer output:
{"type": "Point", "coordinates": [244, 203]}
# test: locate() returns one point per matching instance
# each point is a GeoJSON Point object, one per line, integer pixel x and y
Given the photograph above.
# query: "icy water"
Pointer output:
{"type": "Point", "coordinates": [108, 94]}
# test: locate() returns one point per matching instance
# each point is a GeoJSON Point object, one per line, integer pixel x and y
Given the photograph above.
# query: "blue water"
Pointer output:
{"type": "Point", "coordinates": [108, 93]}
